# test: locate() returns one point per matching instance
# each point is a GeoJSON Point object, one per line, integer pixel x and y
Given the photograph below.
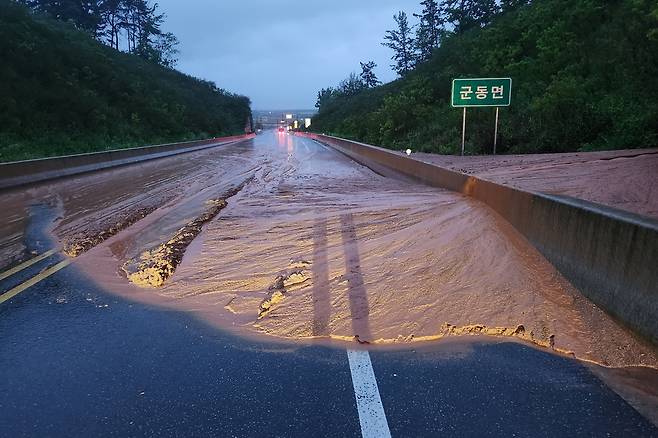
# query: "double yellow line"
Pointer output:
{"type": "Point", "coordinates": [34, 280]}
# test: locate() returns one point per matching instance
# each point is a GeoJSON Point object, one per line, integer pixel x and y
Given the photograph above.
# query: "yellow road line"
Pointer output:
{"type": "Point", "coordinates": [34, 280]}
{"type": "Point", "coordinates": [26, 264]}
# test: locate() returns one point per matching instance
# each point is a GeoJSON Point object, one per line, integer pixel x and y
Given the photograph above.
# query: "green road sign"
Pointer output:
{"type": "Point", "coordinates": [481, 92]}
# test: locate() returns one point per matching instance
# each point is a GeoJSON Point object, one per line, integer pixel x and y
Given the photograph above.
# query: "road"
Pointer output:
{"type": "Point", "coordinates": [85, 353]}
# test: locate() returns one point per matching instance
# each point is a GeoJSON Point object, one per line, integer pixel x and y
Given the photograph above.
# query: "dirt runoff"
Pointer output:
{"type": "Point", "coordinates": [94, 207]}
{"type": "Point", "coordinates": [154, 267]}
{"type": "Point", "coordinates": [625, 179]}
{"type": "Point", "coordinates": [317, 248]}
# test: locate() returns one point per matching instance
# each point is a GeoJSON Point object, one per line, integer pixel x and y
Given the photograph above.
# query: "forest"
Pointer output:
{"type": "Point", "coordinates": [134, 26]}
{"type": "Point", "coordinates": [65, 88]}
{"type": "Point", "coordinates": [585, 77]}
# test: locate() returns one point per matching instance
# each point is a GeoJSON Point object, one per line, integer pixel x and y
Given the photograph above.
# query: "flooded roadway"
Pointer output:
{"type": "Point", "coordinates": [308, 247]}
{"type": "Point", "coordinates": [312, 246]}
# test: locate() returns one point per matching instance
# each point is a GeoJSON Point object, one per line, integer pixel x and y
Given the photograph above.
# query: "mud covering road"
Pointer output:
{"type": "Point", "coordinates": [311, 246]}
{"type": "Point", "coordinates": [91, 208]}
{"type": "Point", "coordinates": [282, 239]}
{"type": "Point", "coordinates": [624, 179]}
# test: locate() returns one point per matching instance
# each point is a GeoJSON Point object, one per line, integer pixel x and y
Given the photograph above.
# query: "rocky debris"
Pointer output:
{"type": "Point", "coordinates": [479, 329]}
{"type": "Point", "coordinates": [283, 284]}
{"type": "Point", "coordinates": [156, 266]}
{"type": "Point", "coordinates": [299, 264]}
{"type": "Point", "coordinates": [79, 244]}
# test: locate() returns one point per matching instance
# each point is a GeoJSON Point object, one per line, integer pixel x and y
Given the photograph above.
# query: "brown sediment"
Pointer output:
{"type": "Point", "coordinates": [91, 204]}
{"type": "Point", "coordinates": [480, 329]}
{"type": "Point", "coordinates": [592, 176]}
{"type": "Point", "coordinates": [282, 286]}
{"type": "Point", "coordinates": [155, 267]}
{"type": "Point", "coordinates": [390, 261]}
{"type": "Point", "coordinates": [79, 243]}
{"type": "Point", "coordinates": [13, 221]}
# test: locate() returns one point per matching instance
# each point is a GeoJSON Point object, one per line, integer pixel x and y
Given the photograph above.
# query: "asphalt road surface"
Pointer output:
{"type": "Point", "coordinates": [77, 360]}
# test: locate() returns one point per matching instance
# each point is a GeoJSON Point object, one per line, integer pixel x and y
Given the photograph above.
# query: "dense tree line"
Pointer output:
{"type": "Point", "coordinates": [350, 86]}
{"type": "Point", "coordinates": [63, 92]}
{"type": "Point", "coordinates": [131, 25]}
{"type": "Point", "coordinates": [585, 77]}
{"type": "Point", "coordinates": [413, 45]}
{"type": "Point", "coordinates": [438, 20]}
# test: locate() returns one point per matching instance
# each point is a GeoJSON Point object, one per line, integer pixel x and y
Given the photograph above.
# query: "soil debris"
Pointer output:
{"type": "Point", "coordinates": [283, 284]}
{"type": "Point", "coordinates": [517, 332]}
{"type": "Point", "coordinates": [80, 243]}
{"type": "Point", "coordinates": [299, 264]}
{"type": "Point", "coordinates": [156, 266]}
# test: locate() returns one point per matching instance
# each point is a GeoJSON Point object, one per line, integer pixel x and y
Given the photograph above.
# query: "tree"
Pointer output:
{"type": "Point", "coordinates": [402, 43]}
{"type": "Point", "coordinates": [508, 5]}
{"type": "Point", "coordinates": [351, 86]}
{"type": "Point", "coordinates": [165, 50]}
{"type": "Point", "coordinates": [324, 96]}
{"type": "Point", "coordinates": [368, 76]}
{"type": "Point", "coordinates": [135, 22]}
{"type": "Point", "coordinates": [429, 31]}
{"type": "Point", "coordinates": [111, 13]}
{"type": "Point", "coordinates": [463, 15]}
{"type": "Point", "coordinates": [84, 14]}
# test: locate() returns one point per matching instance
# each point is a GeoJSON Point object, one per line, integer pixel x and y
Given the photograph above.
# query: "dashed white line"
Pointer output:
{"type": "Point", "coordinates": [368, 402]}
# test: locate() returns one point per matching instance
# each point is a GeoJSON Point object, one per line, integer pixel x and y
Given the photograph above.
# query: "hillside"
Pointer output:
{"type": "Point", "coordinates": [585, 78]}
{"type": "Point", "coordinates": [63, 92]}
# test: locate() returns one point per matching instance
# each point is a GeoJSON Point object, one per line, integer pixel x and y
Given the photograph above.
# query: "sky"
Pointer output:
{"type": "Point", "coordinates": [280, 53]}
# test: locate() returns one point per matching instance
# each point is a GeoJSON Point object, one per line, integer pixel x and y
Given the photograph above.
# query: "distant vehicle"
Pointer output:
{"type": "Point", "coordinates": [282, 129]}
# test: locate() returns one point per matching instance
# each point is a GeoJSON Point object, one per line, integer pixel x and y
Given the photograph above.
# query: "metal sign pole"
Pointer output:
{"type": "Point", "coordinates": [496, 131]}
{"type": "Point", "coordinates": [464, 131]}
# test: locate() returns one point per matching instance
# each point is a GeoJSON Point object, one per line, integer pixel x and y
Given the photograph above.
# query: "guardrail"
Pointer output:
{"type": "Point", "coordinates": [609, 254]}
{"type": "Point", "coordinates": [20, 173]}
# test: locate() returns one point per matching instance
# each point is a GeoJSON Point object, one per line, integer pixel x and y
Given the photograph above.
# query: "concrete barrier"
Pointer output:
{"type": "Point", "coordinates": [20, 173]}
{"type": "Point", "coordinates": [609, 254]}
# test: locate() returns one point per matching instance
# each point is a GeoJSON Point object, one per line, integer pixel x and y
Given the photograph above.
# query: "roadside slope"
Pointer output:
{"type": "Point", "coordinates": [62, 92]}
{"type": "Point", "coordinates": [583, 79]}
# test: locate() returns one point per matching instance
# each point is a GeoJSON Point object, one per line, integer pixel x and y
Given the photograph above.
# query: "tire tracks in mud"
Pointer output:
{"type": "Point", "coordinates": [156, 266]}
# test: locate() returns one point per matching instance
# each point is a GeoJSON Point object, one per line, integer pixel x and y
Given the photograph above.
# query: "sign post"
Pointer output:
{"type": "Point", "coordinates": [496, 130]}
{"type": "Point", "coordinates": [464, 131]}
{"type": "Point", "coordinates": [481, 92]}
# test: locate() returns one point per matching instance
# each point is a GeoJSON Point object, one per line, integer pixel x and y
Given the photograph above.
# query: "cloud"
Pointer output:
{"type": "Point", "coordinates": [280, 53]}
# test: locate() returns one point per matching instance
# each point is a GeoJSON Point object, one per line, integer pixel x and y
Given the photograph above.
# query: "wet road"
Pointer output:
{"type": "Point", "coordinates": [82, 358]}
{"type": "Point", "coordinates": [79, 362]}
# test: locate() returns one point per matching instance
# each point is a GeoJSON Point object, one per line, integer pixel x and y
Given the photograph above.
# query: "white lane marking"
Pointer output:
{"type": "Point", "coordinates": [368, 402]}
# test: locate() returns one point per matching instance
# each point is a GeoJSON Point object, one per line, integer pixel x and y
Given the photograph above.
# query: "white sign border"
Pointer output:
{"type": "Point", "coordinates": [452, 93]}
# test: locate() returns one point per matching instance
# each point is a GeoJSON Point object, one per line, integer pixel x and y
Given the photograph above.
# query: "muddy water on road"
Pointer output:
{"type": "Point", "coordinates": [90, 205]}
{"type": "Point", "coordinates": [317, 247]}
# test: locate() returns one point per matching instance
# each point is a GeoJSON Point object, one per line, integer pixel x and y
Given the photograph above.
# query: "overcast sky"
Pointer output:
{"type": "Point", "coordinates": [280, 53]}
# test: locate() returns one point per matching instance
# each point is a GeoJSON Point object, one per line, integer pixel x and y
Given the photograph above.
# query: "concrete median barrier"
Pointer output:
{"type": "Point", "coordinates": [32, 171]}
{"type": "Point", "coordinates": [609, 254]}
